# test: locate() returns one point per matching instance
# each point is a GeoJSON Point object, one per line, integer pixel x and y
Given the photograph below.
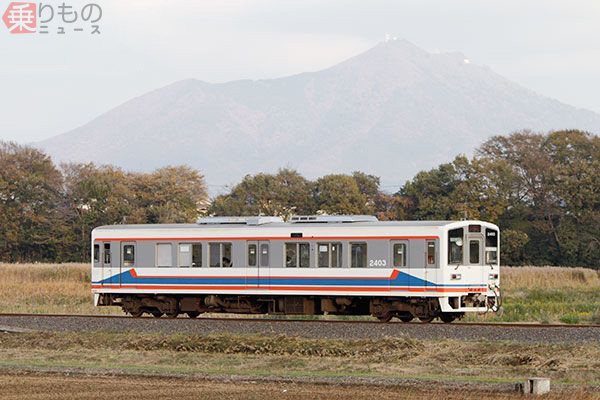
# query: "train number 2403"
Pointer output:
{"type": "Point", "coordinates": [377, 263]}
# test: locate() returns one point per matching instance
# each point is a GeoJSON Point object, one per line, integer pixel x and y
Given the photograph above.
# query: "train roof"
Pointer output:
{"type": "Point", "coordinates": [370, 224]}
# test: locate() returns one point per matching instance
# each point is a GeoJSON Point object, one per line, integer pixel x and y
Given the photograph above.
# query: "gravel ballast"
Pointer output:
{"type": "Point", "coordinates": [309, 329]}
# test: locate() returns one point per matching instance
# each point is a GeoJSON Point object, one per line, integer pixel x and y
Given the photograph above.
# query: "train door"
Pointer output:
{"type": "Point", "coordinates": [97, 262]}
{"type": "Point", "coordinates": [115, 263]}
{"type": "Point", "coordinates": [252, 264]}
{"type": "Point", "coordinates": [264, 262]}
{"type": "Point", "coordinates": [106, 264]}
{"type": "Point", "coordinates": [475, 258]}
{"type": "Point", "coordinates": [258, 261]}
{"type": "Point", "coordinates": [400, 260]}
{"type": "Point", "coordinates": [127, 258]}
{"type": "Point", "coordinates": [431, 265]}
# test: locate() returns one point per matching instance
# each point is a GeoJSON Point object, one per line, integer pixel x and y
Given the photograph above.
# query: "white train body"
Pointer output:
{"type": "Point", "coordinates": [314, 265]}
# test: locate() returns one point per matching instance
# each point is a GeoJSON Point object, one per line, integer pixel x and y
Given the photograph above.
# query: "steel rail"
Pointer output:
{"type": "Point", "coordinates": [317, 321]}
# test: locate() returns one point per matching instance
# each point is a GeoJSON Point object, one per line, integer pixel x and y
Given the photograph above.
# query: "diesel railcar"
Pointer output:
{"type": "Point", "coordinates": [311, 265]}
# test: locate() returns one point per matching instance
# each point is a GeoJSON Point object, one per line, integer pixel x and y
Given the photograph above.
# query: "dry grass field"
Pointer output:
{"type": "Point", "coordinates": [431, 364]}
{"type": "Point", "coordinates": [47, 288]}
{"type": "Point", "coordinates": [516, 278]}
{"type": "Point", "coordinates": [531, 294]}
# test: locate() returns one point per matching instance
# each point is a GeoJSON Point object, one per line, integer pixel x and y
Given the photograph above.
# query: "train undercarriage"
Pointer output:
{"type": "Point", "coordinates": [426, 309]}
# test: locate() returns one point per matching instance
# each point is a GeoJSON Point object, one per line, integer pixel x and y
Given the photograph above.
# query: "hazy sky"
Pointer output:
{"type": "Point", "coordinates": [52, 83]}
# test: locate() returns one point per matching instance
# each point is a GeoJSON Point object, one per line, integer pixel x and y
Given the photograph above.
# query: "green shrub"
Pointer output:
{"type": "Point", "coordinates": [570, 318]}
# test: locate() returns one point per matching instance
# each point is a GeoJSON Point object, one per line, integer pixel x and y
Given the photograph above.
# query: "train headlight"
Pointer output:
{"type": "Point", "coordinates": [493, 276]}
{"type": "Point", "coordinates": [455, 276]}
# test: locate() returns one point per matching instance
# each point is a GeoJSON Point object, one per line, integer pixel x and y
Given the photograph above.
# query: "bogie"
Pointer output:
{"type": "Point", "coordinates": [405, 309]}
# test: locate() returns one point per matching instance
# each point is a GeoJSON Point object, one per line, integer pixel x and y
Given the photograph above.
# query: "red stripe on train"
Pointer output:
{"type": "Point", "coordinates": [292, 288]}
{"type": "Point", "coordinates": [101, 239]}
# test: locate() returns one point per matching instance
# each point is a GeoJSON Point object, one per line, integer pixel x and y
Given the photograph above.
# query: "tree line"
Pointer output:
{"type": "Point", "coordinates": [47, 212]}
{"type": "Point", "coordinates": [543, 190]}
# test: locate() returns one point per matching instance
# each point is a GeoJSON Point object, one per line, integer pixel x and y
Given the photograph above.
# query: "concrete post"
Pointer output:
{"type": "Point", "coordinates": [539, 385]}
{"type": "Point", "coordinates": [534, 386]}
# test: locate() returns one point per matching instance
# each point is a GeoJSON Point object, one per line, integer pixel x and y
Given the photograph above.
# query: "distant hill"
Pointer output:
{"type": "Point", "coordinates": [390, 111]}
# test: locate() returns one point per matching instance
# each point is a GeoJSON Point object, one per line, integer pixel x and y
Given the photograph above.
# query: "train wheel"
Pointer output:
{"type": "Point", "coordinates": [193, 314]}
{"type": "Point", "coordinates": [137, 313]}
{"type": "Point", "coordinates": [447, 317]}
{"type": "Point", "coordinates": [385, 318]}
{"type": "Point", "coordinates": [406, 318]}
{"type": "Point", "coordinates": [172, 314]}
{"type": "Point", "coordinates": [425, 320]}
{"type": "Point", "coordinates": [157, 314]}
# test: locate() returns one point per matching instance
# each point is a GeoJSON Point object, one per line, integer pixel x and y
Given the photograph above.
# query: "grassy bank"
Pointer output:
{"type": "Point", "coordinates": [292, 357]}
{"type": "Point", "coordinates": [548, 295]}
{"type": "Point", "coordinates": [531, 294]}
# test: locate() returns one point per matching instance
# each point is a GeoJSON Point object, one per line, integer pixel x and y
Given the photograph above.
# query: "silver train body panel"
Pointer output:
{"type": "Point", "coordinates": [446, 260]}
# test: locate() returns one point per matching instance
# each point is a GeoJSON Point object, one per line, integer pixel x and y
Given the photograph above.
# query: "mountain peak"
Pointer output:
{"type": "Point", "coordinates": [390, 111]}
{"type": "Point", "coordinates": [392, 50]}
{"type": "Point", "coordinates": [398, 45]}
{"type": "Point", "coordinates": [403, 60]}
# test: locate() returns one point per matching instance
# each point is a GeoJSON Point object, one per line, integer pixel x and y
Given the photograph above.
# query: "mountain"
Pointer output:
{"type": "Point", "coordinates": [390, 111]}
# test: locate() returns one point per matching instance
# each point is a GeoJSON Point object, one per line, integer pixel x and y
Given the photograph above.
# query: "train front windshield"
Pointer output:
{"type": "Point", "coordinates": [491, 246]}
{"type": "Point", "coordinates": [456, 246]}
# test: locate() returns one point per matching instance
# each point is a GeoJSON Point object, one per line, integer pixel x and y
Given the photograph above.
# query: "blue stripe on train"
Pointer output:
{"type": "Point", "coordinates": [403, 279]}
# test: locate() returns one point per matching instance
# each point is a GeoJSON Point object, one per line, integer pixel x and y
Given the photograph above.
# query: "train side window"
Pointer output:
{"type": "Point", "coordinates": [197, 255]}
{"type": "Point", "coordinates": [96, 253]}
{"type": "Point", "coordinates": [399, 254]}
{"type": "Point", "coordinates": [220, 255]}
{"type": "Point", "coordinates": [431, 253]}
{"type": "Point", "coordinates": [291, 255]}
{"type": "Point", "coordinates": [106, 253]}
{"type": "Point", "coordinates": [164, 255]}
{"type": "Point", "coordinates": [323, 258]}
{"type": "Point", "coordinates": [264, 254]}
{"type": "Point", "coordinates": [455, 246]}
{"type": "Point", "coordinates": [128, 255]}
{"type": "Point", "coordinates": [329, 255]}
{"type": "Point", "coordinates": [215, 255]}
{"type": "Point", "coordinates": [474, 251]}
{"type": "Point", "coordinates": [226, 259]}
{"type": "Point", "coordinates": [297, 254]}
{"type": "Point", "coordinates": [252, 255]}
{"type": "Point", "coordinates": [336, 255]}
{"type": "Point", "coordinates": [304, 255]}
{"type": "Point", "coordinates": [185, 255]}
{"type": "Point", "coordinates": [358, 255]}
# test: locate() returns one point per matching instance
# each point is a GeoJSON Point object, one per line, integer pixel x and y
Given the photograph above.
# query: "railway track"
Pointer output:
{"type": "Point", "coordinates": [317, 329]}
{"type": "Point", "coordinates": [308, 321]}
